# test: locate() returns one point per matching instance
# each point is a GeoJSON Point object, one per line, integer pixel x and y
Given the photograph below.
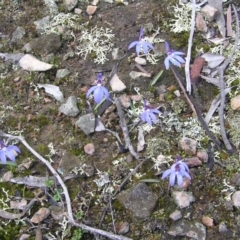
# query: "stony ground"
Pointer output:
{"type": "Point", "coordinates": [61, 131]}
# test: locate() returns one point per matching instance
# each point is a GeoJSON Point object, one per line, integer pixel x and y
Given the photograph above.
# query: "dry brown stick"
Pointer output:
{"type": "Point", "coordinates": [124, 127]}
{"type": "Point", "coordinates": [222, 84]}
{"type": "Point", "coordinates": [65, 192]}
{"type": "Point", "coordinates": [195, 108]}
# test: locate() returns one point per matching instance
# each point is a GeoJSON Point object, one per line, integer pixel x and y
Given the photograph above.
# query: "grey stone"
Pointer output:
{"type": "Point", "coordinates": [188, 145]}
{"type": "Point", "coordinates": [70, 4]}
{"type": "Point", "coordinates": [70, 107]}
{"type": "Point", "coordinates": [139, 200]}
{"type": "Point", "coordinates": [46, 44]}
{"type": "Point", "coordinates": [87, 123]}
{"type": "Point", "coordinates": [62, 73]}
{"type": "Point", "coordinates": [41, 24]}
{"type": "Point", "coordinates": [183, 199]}
{"type": "Point", "coordinates": [236, 199]}
{"type": "Point", "coordinates": [52, 6]}
{"type": "Point", "coordinates": [176, 215]}
{"type": "Point", "coordinates": [18, 34]}
{"type": "Point", "coordinates": [191, 229]}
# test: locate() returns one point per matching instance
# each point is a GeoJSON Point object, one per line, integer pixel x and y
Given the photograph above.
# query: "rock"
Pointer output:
{"type": "Point", "coordinates": [7, 176]}
{"type": "Point", "coordinates": [91, 10]}
{"type": "Point", "coordinates": [177, 93]}
{"type": "Point", "coordinates": [41, 24]}
{"type": "Point", "coordinates": [95, 2]}
{"type": "Point", "coordinates": [176, 215]}
{"type": "Point", "coordinates": [115, 53]}
{"type": "Point", "coordinates": [236, 199]}
{"type": "Point", "coordinates": [62, 73]}
{"type": "Point", "coordinates": [193, 162]}
{"type": "Point", "coordinates": [202, 155]}
{"type": "Point", "coordinates": [136, 98]}
{"type": "Point", "coordinates": [46, 44]}
{"type": "Point", "coordinates": [139, 200]}
{"type": "Point", "coordinates": [125, 101]}
{"type": "Point", "coordinates": [70, 107]}
{"type": "Point", "coordinates": [53, 8]}
{"type": "Point", "coordinates": [235, 180]}
{"type": "Point", "coordinates": [68, 163]}
{"type": "Point", "coordinates": [70, 4]}
{"type": "Point", "coordinates": [191, 229]}
{"type": "Point", "coordinates": [209, 12]}
{"type": "Point", "coordinates": [235, 102]}
{"type": "Point", "coordinates": [188, 145]}
{"type": "Point", "coordinates": [222, 228]}
{"type": "Point", "coordinates": [89, 149]}
{"type": "Point", "coordinates": [207, 221]}
{"type": "Point", "coordinates": [201, 23]}
{"type": "Point", "coordinates": [30, 63]}
{"type": "Point", "coordinates": [183, 199]}
{"type": "Point", "coordinates": [18, 34]}
{"type": "Point", "coordinates": [134, 75]}
{"type": "Point", "coordinates": [77, 11]}
{"type": "Point", "coordinates": [57, 213]}
{"type": "Point", "coordinates": [122, 228]}
{"type": "Point", "coordinates": [116, 84]}
{"type": "Point", "coordinates": [87, 123]}
{"type": "Point", "coordinates": [141, 61]}
{"type": "Point", "coordinates": [40, 215]}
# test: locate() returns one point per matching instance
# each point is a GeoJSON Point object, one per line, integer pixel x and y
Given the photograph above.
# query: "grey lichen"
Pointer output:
{"type": "Point", "coordinates": [97, 41]}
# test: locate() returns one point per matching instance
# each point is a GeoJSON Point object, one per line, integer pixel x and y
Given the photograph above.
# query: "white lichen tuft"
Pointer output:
{"type": "Point", "coordinates": [97, 41]}
{"type": "Point", "coordinates": [62, 22]}
{"type": "Point", "coordinates": [182, 20]}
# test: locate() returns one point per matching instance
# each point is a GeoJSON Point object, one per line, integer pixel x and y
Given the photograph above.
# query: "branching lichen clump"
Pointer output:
{"type": "Point", "coordinates": [182, 20]}
{"type": "Point", "coordinates": [97, 41]}
{"type": "Point", "coordinates": [66, 21]}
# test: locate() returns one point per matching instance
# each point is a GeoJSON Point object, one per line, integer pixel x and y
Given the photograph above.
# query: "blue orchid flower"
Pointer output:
{"type": "Point", "coordinates": [98, 91]}
{"type": "Point", "coordinates": [142, 44]}
{"type": "Point", "coordinates": [174, 57]}
{"type": "Point", "coordinates": [178, 170]}
{"type": "Point", "coordinates": [10, 152]}
{"type": "Point", "coordinates": [148, 114]}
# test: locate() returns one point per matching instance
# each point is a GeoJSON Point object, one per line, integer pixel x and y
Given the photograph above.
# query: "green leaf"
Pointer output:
{"type": "Point", "coordinates": [150, 180]}
{"type": "Point", "coordinates": [156, 78]}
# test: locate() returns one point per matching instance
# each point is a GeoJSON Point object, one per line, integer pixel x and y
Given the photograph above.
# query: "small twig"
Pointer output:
{"type": "Point", "coordinates": [221, 71]}
{"type": "Point", "coordinates": [125, 129]}
{"type": "Point", "coordinates": [113, 222]}
{"type": "Point", "coordinates": [190, 41]}
{"type": "Point", "coordinates": [65, 192]}
{"type": "Point", "coordinates": [195, 108]}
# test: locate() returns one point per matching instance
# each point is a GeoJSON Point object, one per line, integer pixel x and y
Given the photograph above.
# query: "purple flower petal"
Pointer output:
{"type": "Point", "coordinates": [148, 119]}
{"type": "Point", "coordinates": [167, 47]}
{"type": "Point", "coordinates": [180, 59]}
{"type": "Point", "coordinates": [133, 44]}
{"type": "Point", "coordinates": [175, 62]}
{"type": "Point", "coordinates": [11, 155]}
{"type": "Point", "coordinates": [106, 93]}
{"type": "Point", "coordinates": [98, 94]}
{"type": "Point", "coordinates": [166, 173]}
{"type": "Point", "coordinates": [89, 92]}
{"type": "Point", "coordinates": [138, 48]}
{"type": "Point", "coordinates": [3, 157]}
{"type": "Point", "coordinates": [179, 180]}
{"type": "Point", "coordinates": [15, 148]}
{"type": "Point", "coordinates": [172, 179]}
{"type": "Point", "coordinates": [166, 62]}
